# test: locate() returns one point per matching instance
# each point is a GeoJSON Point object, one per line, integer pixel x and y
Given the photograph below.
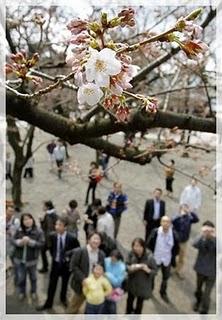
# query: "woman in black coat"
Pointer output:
{"type": "Point", "coordinates": [141, 268]}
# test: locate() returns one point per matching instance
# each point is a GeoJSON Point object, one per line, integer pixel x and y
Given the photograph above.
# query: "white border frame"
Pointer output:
{"type": "Point", "coordinates": [216, 4]}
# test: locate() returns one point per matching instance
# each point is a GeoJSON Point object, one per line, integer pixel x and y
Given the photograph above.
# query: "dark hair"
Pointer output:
{"type": "Point", "coordinates": [63, 220]}
{"type": "Point", "coordinates": [208, 223]}
{"type": "Point", "coordinates": [22, 221]}
{"type": "Point", "coordinates": [117, 254]}
{"type": "Point", "coordinates": [141, 242]}
{"type": "Point", "coordinates": [73, 204]}
{"type": "Point", "coordinates": [97, 202]}
{"type": "Point", "coordinates": [91, 234]}
{"type": "Point", "coordinates": [101, 210]}
{"type": "Point", "coordinates": [172, 161]}
{"type": "Point", "coordinates": [95, 164]}
{"type": "Point", "coordinates": [97, 264]}
{"type": "Point", "coordinates": [49, 205]}
{"type": "Point", "coordinates": [158, 189]}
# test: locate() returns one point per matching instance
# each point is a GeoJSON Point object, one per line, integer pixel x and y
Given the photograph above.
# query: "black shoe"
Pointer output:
{"type": "Point", "coordinates": [165, 297]}
{"type": "Point", "coordinates": [43, 270]}
{"type": "Point", "coordinates": [203, 312]}
{"type": "Point", "coordinates": [196, 306]}
{"type": "Point", "coordinates": [64, 303]}
{"type": "Point", "coordinates": [43, 307]}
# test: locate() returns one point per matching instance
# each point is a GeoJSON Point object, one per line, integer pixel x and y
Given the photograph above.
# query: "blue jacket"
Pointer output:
{"type": "Point", "coordinates": [182, 225]}
{"type": "Point", "coordinates": [121, 203]}
{"type": "Point", "coordinates": [115, 272]}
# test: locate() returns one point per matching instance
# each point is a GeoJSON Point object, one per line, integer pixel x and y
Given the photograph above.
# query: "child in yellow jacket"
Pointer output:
{"type": "Point", "coordinates": [96, 288]}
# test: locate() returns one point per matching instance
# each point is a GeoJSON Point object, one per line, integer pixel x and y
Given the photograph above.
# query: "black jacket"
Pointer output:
{"type": "Point", "coordinates": [139, 282]}
{"type": "Point", "coordinates": [206, 259]}
{"type": "Point", "coordinates": [151, 243]}
{"type": "Point", "coordinates": [79, 266]}
{"type": "Point", "coordinates": [70, 243]}
{"type": "Point", "coordinates": [38, 240]}
{"type": "Point", "coordinates": [48, 223]}
{"type": "Point", "coordinates": [149, 210]}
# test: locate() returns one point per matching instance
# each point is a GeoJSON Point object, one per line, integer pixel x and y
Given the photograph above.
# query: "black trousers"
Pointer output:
{"type": "Point", "coordinates": [165, 276]}
{"type": "Point", "coordinates": [56, 272]}
{"type": "Point", "coordinates": [204, 287]}
{"type": "Point", "coordinates": [169, 184]}
{"type": "Point", "coordinates": [44, 258]}
{"type": "Point", "coordinates": [129, 304]}
{"type": "Point", "coordinates": [28, 172]}
{"type": "Point", "coordinates": [9, 176]}
{"type": "Point", "coordinates": [92, 185]}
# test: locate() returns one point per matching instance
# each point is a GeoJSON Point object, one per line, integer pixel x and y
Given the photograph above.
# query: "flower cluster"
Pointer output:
{"type": "Point", "coordinates": [117, 105]}
{"type": "Point", "coordinates": [191, 35]}
{"type": "Point", "coordinates": [99, 70]}
{"type": "Point", "coordinates": [20, 66]}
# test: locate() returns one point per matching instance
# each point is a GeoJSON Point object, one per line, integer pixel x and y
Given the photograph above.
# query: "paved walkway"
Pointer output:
{"type": "Point", "coordinates": [138, 182]}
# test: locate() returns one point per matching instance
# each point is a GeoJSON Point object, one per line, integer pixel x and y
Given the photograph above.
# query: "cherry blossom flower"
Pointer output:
{"type": "Point", "coordinates": [101, 65]}
{"type": "Point", "coordinates": [89, 93]}
{"type": "Point", "coordinates": [81, 38]}
{"type": "Point", "coordinates": [189, 28]}
{"type": "Point", "coordinates": [77, 25]}
{"type": "Point", "coordinates": [122, 113]}
{"type": "Point", "coordinates": [194, 48]}
{"type": "Point", "coordinates": [127, 17]}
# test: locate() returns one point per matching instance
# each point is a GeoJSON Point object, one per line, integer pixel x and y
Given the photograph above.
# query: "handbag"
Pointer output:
{"type": "Point", "coordinates": [116, 294]}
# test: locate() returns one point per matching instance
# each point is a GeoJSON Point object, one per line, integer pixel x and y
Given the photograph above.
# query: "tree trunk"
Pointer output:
{"type": "Point", "coordinates": [17, 184]}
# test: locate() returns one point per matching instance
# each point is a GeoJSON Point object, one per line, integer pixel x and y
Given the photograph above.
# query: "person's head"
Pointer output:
{"type": "Point", "coordinates": [165, 222]}
{"type": "Point", "coordinates": [194, 181]}
{"type": "Point", "coordinates": [96, 203]}
{"type": "Point", "coordinates": [9, 211]}
{"type": "Point", "coordinates": [61, 225]}
{"type": "Point", "coordinates": [27, 221]}
{"type": "Point", "coordinates": [208, 229]}
{"type": "Point", "coordinates": [138, 246]}
{"type": "Point", "coordinates": [93, 165]}
{"type": "Point", "coordinates": [97, 270]}
{"type": "Point", "coordinates": [48, 205]}
{"type": "Point", "coordinates": [157, 193]}
{"type": "Point", "coordinates": [73, 204]}
{"type": "Point", "coordinates": [184, 209]}
{"type": "Point", "coordinates": [117, 187]}
{"type": "Point", "coordinates": [94, 240]}
{"type": "Point", "coordinates": [116, 255]}
{"type": "Point", "coordinates": [101, 211]}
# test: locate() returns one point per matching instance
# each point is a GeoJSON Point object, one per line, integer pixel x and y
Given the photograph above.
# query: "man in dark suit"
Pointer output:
{"type": "Point", "coordinates": [61, 245]}
{"type": "Point", "coordinates": [153, 212]}
{"type": "Point", "coordinates": [81, 265]}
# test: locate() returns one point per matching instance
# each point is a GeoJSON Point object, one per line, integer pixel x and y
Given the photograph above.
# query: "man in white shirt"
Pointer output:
{"type": "Point", "coordinates": [105, 222]}
{"type": "Point", "coordinates": [59, 154]}
{"type": "Point", "coordinates": [191, 196]}
{"type": "Point", "coordinates": [163, 242]}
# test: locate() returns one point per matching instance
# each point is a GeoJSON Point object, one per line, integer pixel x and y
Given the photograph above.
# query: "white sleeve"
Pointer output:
{"type": "Point", "coordinates": [198, 200]}
{"type": "Point", "coordinates": [100, 226]}
{"type": "Point", "coordinates": [183, 196]}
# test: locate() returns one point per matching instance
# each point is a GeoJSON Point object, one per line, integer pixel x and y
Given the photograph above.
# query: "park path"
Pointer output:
{"type": "Point", "coordinates": [138, 182]}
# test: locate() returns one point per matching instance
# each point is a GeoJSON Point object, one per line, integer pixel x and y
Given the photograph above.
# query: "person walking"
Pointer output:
{"type": "Point", "coordinates": [94, 176]}
{"type": "Point", "coordinates": [169, 174]}
{"type": "Point", "coordinates": [116, 205]}
{"type": "Point", "coordinates": [105, 222]}
{"type": "Point", "coordinates": [27, 241]}
{"type": "Point", "coordinates": [81, 265]}
{"type": "Point", "coordinates": [141, 268]}
{"type": "Point", "coordinates": [164, 244]}
{"type": "Point", "coordinates": [29, 168]}
{"type": "Point", "coordinates": [73, 217]}
{"type": "Point", "coordinates": [96, 288]}
{"type": "Point", "coordinates": [182, 223]}
{"type": "Point", "coordinates": [61, 245]}
{"type": "Point", "coordinates": [50, 148]}
{"type": "Point", "coordinates": [205, 266]}
{"type": "Point", "coordinates": [48, 225]}
{"type": "Point", "coordinates": [8, 171]}
{"type": "Point", "coordinates": [115, 272]}
{"type": "Point", "coordinates": [191, 195]}
{"type": "Point", "coordinates": [153, 212]}
{"type": "Point", "coordinates": [59, 154]}
{"type": "Point", "coordinates": [91, 217]}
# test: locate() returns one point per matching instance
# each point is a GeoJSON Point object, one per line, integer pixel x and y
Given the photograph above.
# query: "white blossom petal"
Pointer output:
{"type": "Point", "coordinates": [89, 93]}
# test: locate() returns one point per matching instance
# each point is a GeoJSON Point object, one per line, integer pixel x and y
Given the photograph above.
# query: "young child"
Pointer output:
{"type": "Point", "coordinates": [96, 288]}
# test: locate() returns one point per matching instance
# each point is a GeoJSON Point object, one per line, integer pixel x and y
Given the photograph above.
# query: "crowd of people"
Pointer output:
{"type": "Point", "coordinates": [96, 271]}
